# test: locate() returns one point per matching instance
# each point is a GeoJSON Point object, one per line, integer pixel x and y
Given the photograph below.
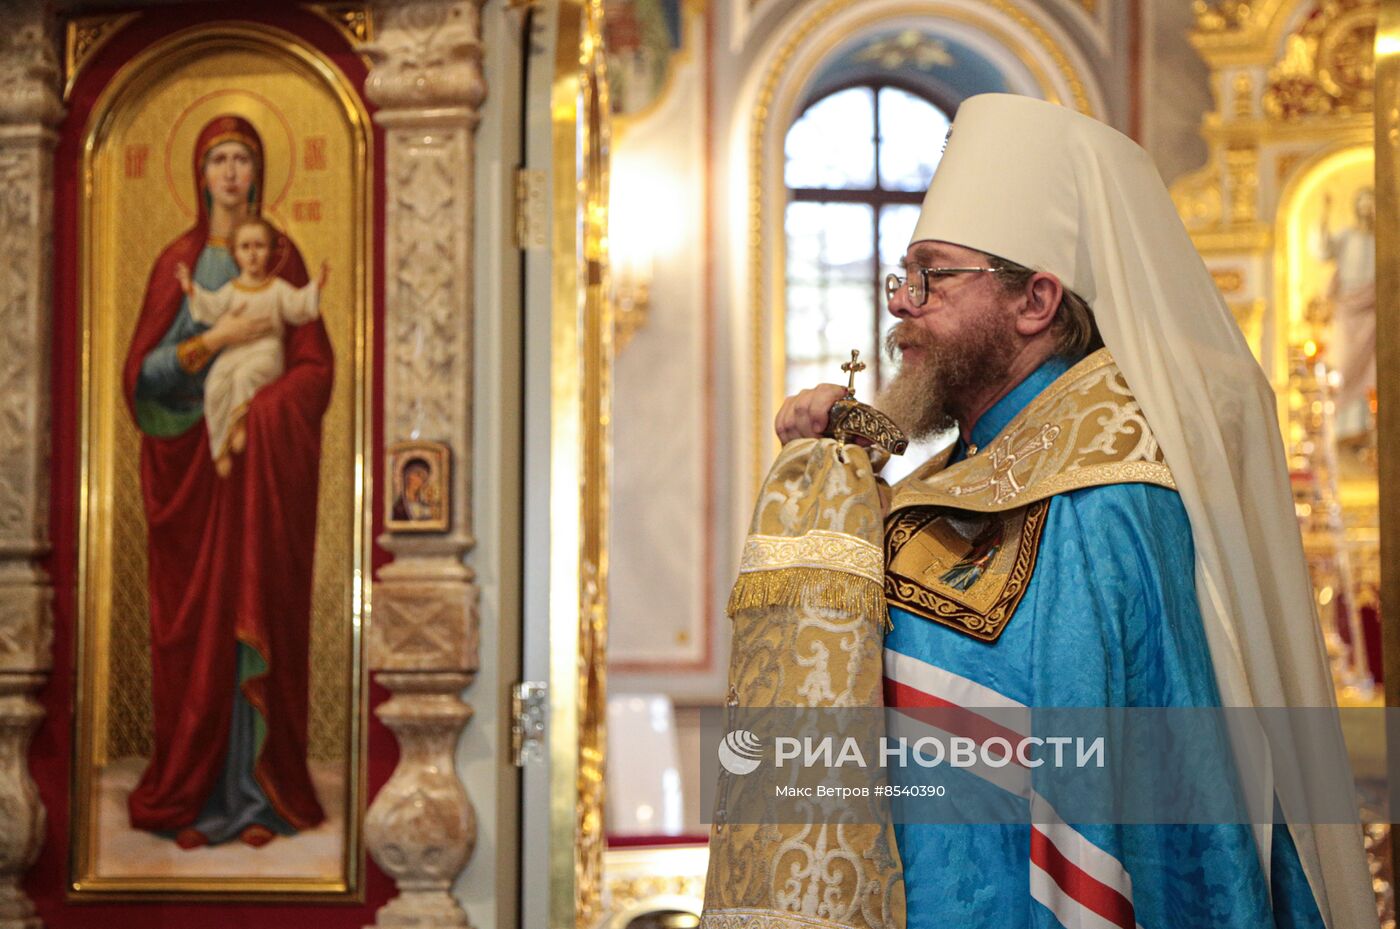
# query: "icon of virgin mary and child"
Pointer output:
{"type": "Point", "coordinates": [227, 377]}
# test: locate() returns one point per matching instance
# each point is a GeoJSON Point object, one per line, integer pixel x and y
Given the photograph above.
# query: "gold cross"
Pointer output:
{"type": "Point", "coordinates": [1004, 459]}
{"type": "Point", "coordinates": [854, 366]}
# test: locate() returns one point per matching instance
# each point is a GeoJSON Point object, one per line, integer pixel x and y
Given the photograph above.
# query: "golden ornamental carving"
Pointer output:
{"type": "Point", "coordinates": [1249, 316]}
{"type": "Point", "coordinates": [626, 893]}
{"type": "Point", "coordinates": [1346, 65]}
{"type": "Point", "coordinates": [1285, 164]}
{"type": "Point", "coordinates": [1228, 280]}
{"type": "Point", "coordinates": [585, 156]}
{"type": "Point", "coordinates": [1243, 87]}
{"type": "Point", "coordinates": [1198, 199]}
{"type": "Point", "coordinates": [1293, 90]}
{"type": "Point", "coordinates": [1222, 15]}
{"type": "Point", "coordinates": [1235, 31]}
{"type": "Point", "coordinates": [1250, 237]}
{"type": "Point", "coordinates": [354, 20]}
{"type": "Point", "coordinates": [1327, 65]}
{"type": "Point", "coordinates": [84, 37]}
{"type": "Point", "coordinates": [592, 735]}
{"type": "Point", "coordinates": [1246, 313]}
{"type": "Point", "coordinates": [1242, 169]}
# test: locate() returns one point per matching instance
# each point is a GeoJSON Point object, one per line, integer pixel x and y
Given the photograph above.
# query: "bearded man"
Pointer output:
{"type": "Point", "coordinates": [1112, 527]}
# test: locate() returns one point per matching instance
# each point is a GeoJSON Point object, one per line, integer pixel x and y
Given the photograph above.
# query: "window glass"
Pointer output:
{"type": "Point", "coordinates": [912, 132]}
{"type": "Point", "coordinates": [832, 145]}
{"type": "Point", "coordinates": [848, 222]}
{"type": "Point", "coordinates": [829, 292]}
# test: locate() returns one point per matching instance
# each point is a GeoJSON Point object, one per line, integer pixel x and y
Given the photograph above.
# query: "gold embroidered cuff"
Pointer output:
{"type": "Point", "coordinates": [820, 568]}
{"type": "Point", "coordinates": [193, 354]}
{"type": "Point", "coordinates": [818, 548]}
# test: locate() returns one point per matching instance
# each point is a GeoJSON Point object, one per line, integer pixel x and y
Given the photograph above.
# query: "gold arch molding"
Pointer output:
{"type": "Point", "coordinates": [790, 68]}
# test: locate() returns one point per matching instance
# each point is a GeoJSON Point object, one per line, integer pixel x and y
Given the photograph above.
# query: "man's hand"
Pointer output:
{"type": "Point", "coordinates": [804, 414]}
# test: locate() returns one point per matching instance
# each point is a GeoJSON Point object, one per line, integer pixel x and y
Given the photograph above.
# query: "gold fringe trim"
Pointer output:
{"type": "Point", "coordinates": [804, 586]}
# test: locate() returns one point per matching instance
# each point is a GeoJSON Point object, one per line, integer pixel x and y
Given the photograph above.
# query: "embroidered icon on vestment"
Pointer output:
{"type": "Point", "coordinates": [965, 570]}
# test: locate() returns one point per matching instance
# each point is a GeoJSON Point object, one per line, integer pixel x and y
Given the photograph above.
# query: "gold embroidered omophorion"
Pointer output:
{"type": "Point", "coordinates": [1084, 430]}
{"type": "Point", "coordinates": [808, 607]}
{"type": "Point", "coordinates": [961, 541]}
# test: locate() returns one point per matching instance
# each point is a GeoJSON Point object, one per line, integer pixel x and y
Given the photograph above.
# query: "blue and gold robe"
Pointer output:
{"type": "Point", "coordinates": [1092, 603]}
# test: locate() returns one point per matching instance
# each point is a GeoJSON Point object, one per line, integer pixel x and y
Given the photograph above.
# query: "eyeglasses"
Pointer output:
{"type": "Point", "coordinates": [918, 283]}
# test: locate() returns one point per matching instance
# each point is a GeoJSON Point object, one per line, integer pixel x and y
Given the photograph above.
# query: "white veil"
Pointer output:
{"type": "Point", "coordinates": [1056, 191]}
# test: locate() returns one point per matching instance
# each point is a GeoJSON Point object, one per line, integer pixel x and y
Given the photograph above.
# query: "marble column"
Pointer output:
{"type": "Point", "coordinates": [30, 108]}
{"type": "Point", "coordinates": [428, 85]}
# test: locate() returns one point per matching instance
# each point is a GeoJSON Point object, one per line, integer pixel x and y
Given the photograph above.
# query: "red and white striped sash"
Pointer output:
{"type": "Point", "coordinates": [1081, 884]}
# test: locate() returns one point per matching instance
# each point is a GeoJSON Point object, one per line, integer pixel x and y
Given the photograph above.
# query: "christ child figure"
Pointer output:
{"type": "Point", "coordinates": [242, 370]}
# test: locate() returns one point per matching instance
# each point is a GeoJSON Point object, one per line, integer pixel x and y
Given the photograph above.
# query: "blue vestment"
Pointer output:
{"type": "Point", "coordinates": [1108, 619]}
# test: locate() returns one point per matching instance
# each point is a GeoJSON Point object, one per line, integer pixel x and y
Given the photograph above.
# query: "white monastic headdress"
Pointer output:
{"type": "Point", "coordinates": [1050, 189]}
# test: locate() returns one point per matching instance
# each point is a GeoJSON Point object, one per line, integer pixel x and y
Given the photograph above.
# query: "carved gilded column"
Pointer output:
{"type": "Point", "coordinates": [29, 111]}
{"type": "Point", "coordinates": [428, 84]}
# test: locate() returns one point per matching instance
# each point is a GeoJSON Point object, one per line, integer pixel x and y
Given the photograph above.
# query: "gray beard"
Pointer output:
{"type": "Point", "coordinates": [927, 396]}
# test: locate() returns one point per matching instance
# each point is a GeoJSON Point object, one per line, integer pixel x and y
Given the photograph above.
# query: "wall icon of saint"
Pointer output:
{"type": "Point", "coordinates": [418, 496]}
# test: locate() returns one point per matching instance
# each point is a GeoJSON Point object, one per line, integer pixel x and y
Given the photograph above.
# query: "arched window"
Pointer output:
{"type": "Point", "coordinates": [858, 161]}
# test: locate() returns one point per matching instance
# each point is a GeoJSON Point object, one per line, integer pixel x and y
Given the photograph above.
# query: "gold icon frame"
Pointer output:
{"type": "Point", "coordinates": [342, 588]}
